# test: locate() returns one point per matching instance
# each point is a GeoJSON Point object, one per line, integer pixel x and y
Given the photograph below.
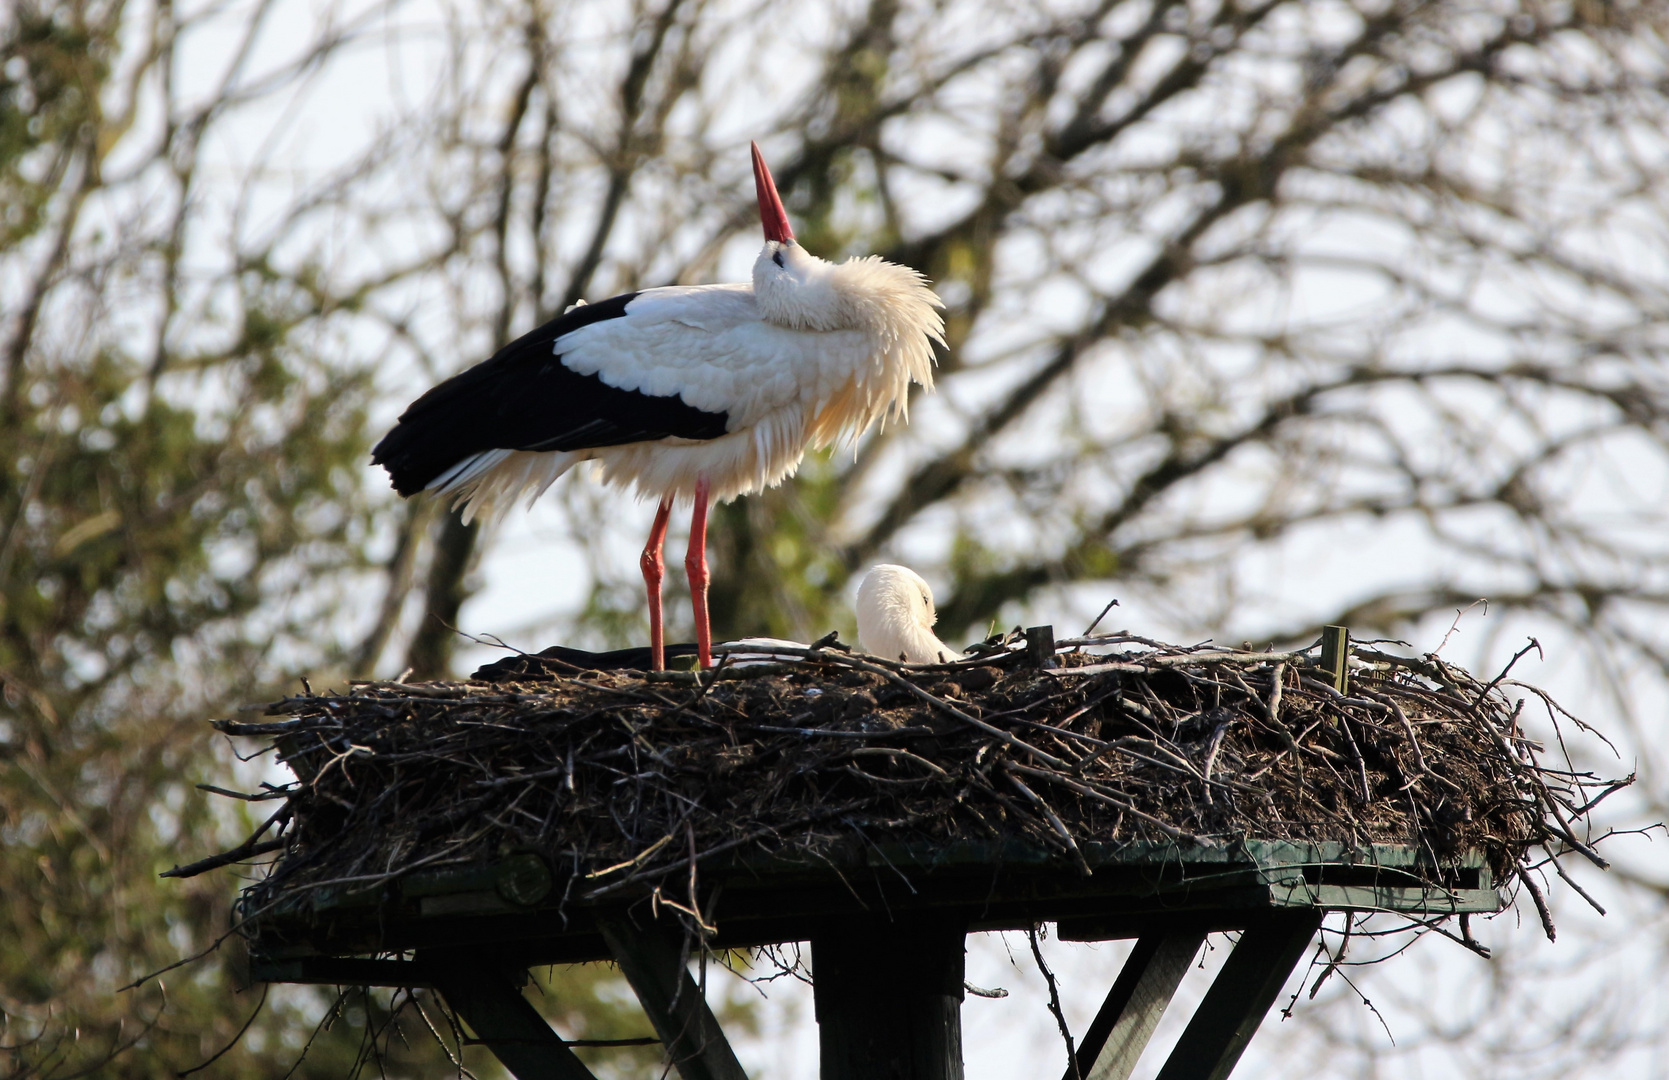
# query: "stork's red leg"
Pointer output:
{"type": "Point", "coordinates": [695, 564]}
{"type": "Point", "coordinates": [654, 569]}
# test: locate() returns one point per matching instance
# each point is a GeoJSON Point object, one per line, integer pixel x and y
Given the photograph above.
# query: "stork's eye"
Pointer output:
{"type": "Point", "coordinates": [777, 258]}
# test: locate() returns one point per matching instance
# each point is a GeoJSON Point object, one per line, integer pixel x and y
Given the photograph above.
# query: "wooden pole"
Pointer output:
{"type": "Point", "coordinates": [1241, 994]}
{"type": "Point", "coordinates": [1120, 1032]}
{"type": "Point", "coordinates": [650, 958]}
{"type": "Point", "coordinates": [889, 998]}
{"type": "Point", "coordinates": [489, 1001]}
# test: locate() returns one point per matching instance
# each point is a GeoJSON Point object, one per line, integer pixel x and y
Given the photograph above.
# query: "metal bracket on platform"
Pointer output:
{"type": "Point", "coordinates": [1240, 996]}
{"type": "Point", "coordinates": [1121, 1030]}
{"type": "Point", "coordinates": [489, 1001]}
{"type": "Point", "coordinates": [653, 963]}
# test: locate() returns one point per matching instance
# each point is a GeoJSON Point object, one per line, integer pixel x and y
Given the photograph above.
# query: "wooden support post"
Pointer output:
{"type": "Point", "coordinates": [1040, 646]}
{"type": "Point", "coordinates": [1242, 993]}
{"type": "Point", "coordinates": [653, 963]}
{"type": "Point", "coordinates": [1120, 1031]}
{"type": "Point", "coordinates": [889, 998]}
{"type": "Point", "coordinates": [1335, 656]}
{"type": "Point", "coordinates": [491, 1003]}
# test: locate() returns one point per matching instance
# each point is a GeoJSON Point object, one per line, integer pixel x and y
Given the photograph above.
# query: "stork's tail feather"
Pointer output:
{"type": "Point", "coordinates": [413, 458]}
{"type": "Point", "coordinates": [465, 473]}
{"type": "Point", "coordinates": [486, 484]}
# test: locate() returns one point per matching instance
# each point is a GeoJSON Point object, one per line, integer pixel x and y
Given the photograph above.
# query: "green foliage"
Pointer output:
{"type": "Point", "coordinates": [169, 528]}
{"type": "Point", "coordinates": [51, 69]}
{"type": "Point", "coordinates": [145, 532]}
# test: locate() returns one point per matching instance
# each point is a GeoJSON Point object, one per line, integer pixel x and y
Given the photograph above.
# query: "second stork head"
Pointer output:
{"type": "Point", "coordinates": [896, 616]}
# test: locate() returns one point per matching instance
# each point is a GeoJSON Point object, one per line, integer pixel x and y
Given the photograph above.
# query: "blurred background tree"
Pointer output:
{"type": "Point", "coordinates": [179, 464]}
{"type": "Point", "coordinates": [1262, 314]}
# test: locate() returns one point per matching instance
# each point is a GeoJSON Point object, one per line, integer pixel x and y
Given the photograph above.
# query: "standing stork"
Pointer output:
{"type": "Point", "coordinates": [701, 392]}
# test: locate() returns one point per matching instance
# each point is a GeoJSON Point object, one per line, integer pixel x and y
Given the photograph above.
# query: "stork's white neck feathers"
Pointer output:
{"type": "Point", "coordinates": [896, 616]}
{"type": "Point", "coordinates": [891, 304]}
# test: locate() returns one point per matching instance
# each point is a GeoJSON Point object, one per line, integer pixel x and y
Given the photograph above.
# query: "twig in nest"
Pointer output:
{"type": "Point", "coordinates": [706, 929]}
{"type": "Point", "coordinates": [1277, 681]}
{"type": "Point", "coordinates": [1563, 830]}
{"type": "Point", "coordinates": [1090, 629]}
{"type": "Point", "coordinates": [635, 861]}
{"type": "Point", "coordinates": [1054, 821]}
{"type": "Point", "coordinates": [1055, 1005]}
{"type": "Point", "coordinates": [1361, 763]}
{"type": "Point", "coordinates": [249, 849]}
{"type": "Point", "coordinates": [1534, 645]}
{"type": "Point", "coordinates": [1559, 868]}
{"type": "Point", "coordinates": [1391, 703]}
{"type": "Point", "coordinates": [887, 751]}
{"type": "Point", "coordinates": [1370, 1005]}
{"type": "Point", "coordinates": [1211, 756]}
{"type": "Point", "coordinates": [1100, 796]}
{"type": "Point", "coordinates": [945, 706]}
{"type": "Point", "coordinates": [1468, 940]}
{"type": "Point", "coordinates": [263, 796]}
{"type": "Point", "coordinates": [1540, 902]}
{"type": "Point", "coordinates": [238, 854]}
{"type": "Point", "coordinates": [1337, 958]}
{"type": "Point", "coordinates": [1454, 627]}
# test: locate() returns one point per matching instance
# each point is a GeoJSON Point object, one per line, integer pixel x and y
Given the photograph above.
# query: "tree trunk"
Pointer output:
{"type": "Point", "coordinates": [430, 655]}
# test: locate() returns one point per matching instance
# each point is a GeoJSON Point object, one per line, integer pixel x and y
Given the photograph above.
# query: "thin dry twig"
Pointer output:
{"type": "Point", "coordinates": [1055, 1005]}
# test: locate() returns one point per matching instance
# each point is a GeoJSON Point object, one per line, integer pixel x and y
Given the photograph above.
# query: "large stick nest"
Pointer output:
{"type": "Point", "coordinates": [1124, 740]}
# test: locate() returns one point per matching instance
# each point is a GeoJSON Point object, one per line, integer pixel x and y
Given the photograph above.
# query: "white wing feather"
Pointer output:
{"type": "Point", "coordinates": [708, 344]}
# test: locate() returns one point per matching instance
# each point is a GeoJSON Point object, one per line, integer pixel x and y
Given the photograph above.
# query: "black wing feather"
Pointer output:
{"type": "Point", "coordinates": [525, 398]}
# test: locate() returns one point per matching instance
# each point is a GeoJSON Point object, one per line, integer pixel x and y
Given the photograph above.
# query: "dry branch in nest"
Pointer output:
{"type": "Point", "coordinates": [632, 784]}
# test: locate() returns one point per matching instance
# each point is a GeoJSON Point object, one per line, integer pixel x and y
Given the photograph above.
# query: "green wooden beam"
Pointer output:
{"type": "Point", "coordinates": [653, 963]}
{"type": "Point", "coordinates": [1235, 1005]}
{"type": "Point", "coordinates": [340, 971]}
{"type": "Point", "coordinates": [1120, 1032]}
{"type": "Point", "coordinates": [490, 1002]}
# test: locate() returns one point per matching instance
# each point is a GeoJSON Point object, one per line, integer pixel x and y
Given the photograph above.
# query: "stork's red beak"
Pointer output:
{"type": "Point", "coordinates": [771, 214]}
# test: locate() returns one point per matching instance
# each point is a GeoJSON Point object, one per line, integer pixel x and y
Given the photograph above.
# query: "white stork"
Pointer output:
{"type": "Point", "coordinates": [896, 616]}
{"type": "Point", "coordinates": [699, 392]}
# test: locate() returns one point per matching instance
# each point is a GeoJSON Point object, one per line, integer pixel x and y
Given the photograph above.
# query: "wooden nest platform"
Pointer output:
{"type": "Point", "coordinates": [1116, 786]}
